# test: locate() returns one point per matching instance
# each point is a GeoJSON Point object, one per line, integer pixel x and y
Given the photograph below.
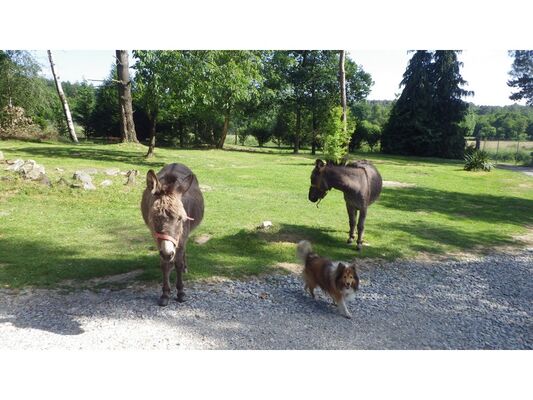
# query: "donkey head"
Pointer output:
{"type": "Point", "coordinates": [319, 187]}
{"type": "Point", "coordinates": [166, 215]}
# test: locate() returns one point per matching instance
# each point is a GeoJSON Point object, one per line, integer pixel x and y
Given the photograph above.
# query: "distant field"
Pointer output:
{"type": "Point", "coordinates": [491, 145]}
{"type": "Point", "coordinates": [52, 234]}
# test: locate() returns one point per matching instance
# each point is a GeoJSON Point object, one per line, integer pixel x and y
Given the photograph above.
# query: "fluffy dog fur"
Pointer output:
{"type": "Point", "coordinates": [337, 279]}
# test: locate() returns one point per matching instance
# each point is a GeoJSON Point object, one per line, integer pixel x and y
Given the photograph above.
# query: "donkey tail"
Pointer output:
{"type": "Point", "coordinates": [303, 249]}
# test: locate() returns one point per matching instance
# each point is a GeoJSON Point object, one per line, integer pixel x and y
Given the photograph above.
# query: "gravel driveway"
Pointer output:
{"type": "Point", "coordinates": [484, 303]}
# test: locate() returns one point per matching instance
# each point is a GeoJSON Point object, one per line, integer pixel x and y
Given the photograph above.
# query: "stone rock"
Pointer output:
{"type": "Point", "coordinates": [60, 169]}
{"type": "Point", "coordinates": [131, 174]}
{"type": "Point", "coordinates": [202, 239]}
{"type": "Point", "coordinates": [112, 171]}
{"type": "Point", "coordinates": [1, 156]}
{"type": "Point", "coordinates": [107, 182]}
{"type": "Point", "coordinates": [82, 176]}
{"type": "Point", "coordinates": [31, 170]}
{"type": "Point", "coordinates": [44, 180]}
{"type": "Point", "coordinates": [205, 188]}
{"type": "Point", "coordinates": [265, 225]}
{"type": "Point", "coordinates": [15, 165]}
{"type": "Point", "coordinates": [85, 179]}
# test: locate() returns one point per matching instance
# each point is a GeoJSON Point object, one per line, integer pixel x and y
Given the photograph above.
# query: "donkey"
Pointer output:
{"type": "Point", "coordinates": [361, 184]}
{"type": "Point", "coordinates": [172, 206]}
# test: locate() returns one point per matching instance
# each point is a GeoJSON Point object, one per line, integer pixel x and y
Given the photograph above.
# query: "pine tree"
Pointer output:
{"type": "Point", "coordinates": [408, 130]}
{"type": "Point", "coordinates": [522, 74]}
{"type": "Point", "coordinates": [449, 109]}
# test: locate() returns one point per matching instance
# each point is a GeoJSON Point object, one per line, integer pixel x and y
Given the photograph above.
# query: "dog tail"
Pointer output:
{"type": "Point", "coordinates": [303, 249]}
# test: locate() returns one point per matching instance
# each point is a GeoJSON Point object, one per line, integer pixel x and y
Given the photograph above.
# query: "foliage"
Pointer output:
{"type": "Point", "coordinates": [429, 117]}
{"type": "Point", "coordinates": [368, 132]}
{"type": "Point", "coordinates": [336, 137]}
{"type": "Point", "coordinates": [104, 119]}
{"type": "Point", "coordinates": [522, 76]}
{"type": "Point", "coordinates": [478, 160]}
{"type": "Point", "coordinates": [84, 105]}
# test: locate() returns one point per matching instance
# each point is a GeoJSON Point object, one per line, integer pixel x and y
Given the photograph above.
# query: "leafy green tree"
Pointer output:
{"type": "Point", "coordinates": [336, 137]}
{"type": "Point", "coordinates": [522, 76]}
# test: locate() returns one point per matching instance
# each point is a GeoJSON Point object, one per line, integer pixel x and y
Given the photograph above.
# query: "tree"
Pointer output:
{"type": "Point", "coordinates": [84, 105]}
{"type": "Point", "coordinates": [426, 119]}
{"type": "Point", "coordinates": [63, 99]}
{"type": "Point", "coordinates": [150, 70]}
{"type": "Point", "coordinates": [409, 130]}
{"type": "Point", "coordinates": [342, 84]}
{"type": "Point", "coordinates": [336, 135]}
{"type": "Point", "coordinates": [104, 119]}
{"type": "Point", "coordinates": [127, 126]}
{"type": "Point", "coordinates": [522, 76]}
{"type": "Point", "coordinates": [449, 109]}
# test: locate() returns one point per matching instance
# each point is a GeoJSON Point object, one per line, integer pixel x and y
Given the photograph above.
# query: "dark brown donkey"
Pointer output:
{"type": "Point", "coordinates": [360, 182]}
{"type": "Point", "coordinates": [172, 206]}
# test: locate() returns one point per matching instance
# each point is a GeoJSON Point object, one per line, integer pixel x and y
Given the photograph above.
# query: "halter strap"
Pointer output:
{"type": "Point", "coordinates": [162, 236]}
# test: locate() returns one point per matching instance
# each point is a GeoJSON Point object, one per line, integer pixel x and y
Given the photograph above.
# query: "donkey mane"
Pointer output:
{"type": "Point", "coordinates": [167, 204]}
{"type": "Point", "coordinates": [358, 164]}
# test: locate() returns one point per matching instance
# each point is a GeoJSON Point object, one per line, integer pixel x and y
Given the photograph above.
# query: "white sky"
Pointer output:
{"type": "Point", "coordinates": [486, 71]}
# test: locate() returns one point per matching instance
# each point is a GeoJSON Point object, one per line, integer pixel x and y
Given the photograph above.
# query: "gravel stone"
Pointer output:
{"type": "Point", "coordinates": [483, 303]}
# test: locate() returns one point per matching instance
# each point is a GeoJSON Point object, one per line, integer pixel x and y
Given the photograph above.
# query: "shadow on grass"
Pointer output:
{"type": "Point", "coordinates": [84, 153]}
{"type": "Point", "coordinates": [479, 207]}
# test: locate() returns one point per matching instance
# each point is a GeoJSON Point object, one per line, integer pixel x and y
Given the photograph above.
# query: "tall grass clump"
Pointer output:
{"type": "Point", "coordinates": [478, 160]}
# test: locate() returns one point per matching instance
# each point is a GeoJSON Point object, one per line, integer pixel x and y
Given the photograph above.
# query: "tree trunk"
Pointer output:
{"type": "Point", "coordinates": [66, 109]}
{"type": "Point", "coordinates": [298, 129]}
{"type": "Point", "coordinates": [342, 82]}
{"type": "Point", "coordinates": [181, 133]}
{"type": "Point", "coordinates": [220, 144]}
{"type": "Point", "coordinates": [127, 126]}
{"type": "Point", "coordinates": [151, 146]}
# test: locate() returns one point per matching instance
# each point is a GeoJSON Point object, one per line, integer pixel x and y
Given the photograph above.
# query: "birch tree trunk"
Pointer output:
{"type": "Point", "coordinates": [342, 82]}
{"type": "Point", "coordinates": [63, 99]}
{"type": "Point", "coordinates": [127, 126]}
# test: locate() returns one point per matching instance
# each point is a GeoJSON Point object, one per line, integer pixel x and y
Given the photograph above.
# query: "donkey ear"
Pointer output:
{"type": "Point", "coordinates": [152, 183]}
{"type": "Point", "coordinates": [185, 184]}
{"type": "Point", "coordinates": [319, 163]}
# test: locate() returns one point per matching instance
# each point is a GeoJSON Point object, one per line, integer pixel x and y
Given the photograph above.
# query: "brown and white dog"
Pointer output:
{"type": "Point", "coordinates": [336, 278]}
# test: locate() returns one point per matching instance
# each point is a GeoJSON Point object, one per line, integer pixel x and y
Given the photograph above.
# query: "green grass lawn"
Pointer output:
{"type": "Point", "coordinates": [48, 235]}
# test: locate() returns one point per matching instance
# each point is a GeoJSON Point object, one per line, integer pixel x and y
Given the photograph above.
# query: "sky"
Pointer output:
{"type": "Point", "coordinates": [486, 71]}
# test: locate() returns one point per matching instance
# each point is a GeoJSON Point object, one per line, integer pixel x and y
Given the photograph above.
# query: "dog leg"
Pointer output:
{"type": "Point", "coordinates": [342, 309]}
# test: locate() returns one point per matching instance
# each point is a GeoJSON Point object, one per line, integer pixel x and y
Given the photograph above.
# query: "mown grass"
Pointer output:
{"type": "Point", "coordinates": [48, 235]}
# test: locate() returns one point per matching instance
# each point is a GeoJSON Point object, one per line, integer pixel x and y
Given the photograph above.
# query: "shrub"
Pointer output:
{"type": "Point", "coordinates": [336, 140]}
{"type": "Point", "coordinates": [478, 160]}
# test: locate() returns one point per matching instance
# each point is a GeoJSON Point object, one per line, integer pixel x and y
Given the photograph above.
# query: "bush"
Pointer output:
{"type": "Point", "coordinates": [478, 160]}
{"type": "Point", "coordinates": [336, 140]}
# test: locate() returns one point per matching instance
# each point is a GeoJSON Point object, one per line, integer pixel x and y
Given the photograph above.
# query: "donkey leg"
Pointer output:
{"type": "Point", "coordinates": [165, 268]}
{"type": "Point", "coordinates": [352, 212]}
{"type": "Point", "coordinates": [181, 267]}
{"type": "Point", "coordinates": [361, 228]}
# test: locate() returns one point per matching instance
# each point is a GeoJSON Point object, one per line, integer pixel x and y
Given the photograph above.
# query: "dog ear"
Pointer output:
{"type": "Point", "coordinates": [340, 270]}
{"type": "Point", "coordinates": [152, 183]}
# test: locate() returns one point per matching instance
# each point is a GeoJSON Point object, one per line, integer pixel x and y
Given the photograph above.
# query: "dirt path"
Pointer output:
{"type": "Point", "coordinates": [476, 304]}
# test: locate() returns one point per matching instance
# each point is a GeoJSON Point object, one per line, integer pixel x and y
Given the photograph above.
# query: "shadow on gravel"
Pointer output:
{"type": "Point", "coordinates": [40, 318]}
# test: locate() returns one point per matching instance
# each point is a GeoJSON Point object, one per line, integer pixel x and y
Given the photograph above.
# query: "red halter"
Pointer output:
{"type": "Point", "coordinates": [161, 236]}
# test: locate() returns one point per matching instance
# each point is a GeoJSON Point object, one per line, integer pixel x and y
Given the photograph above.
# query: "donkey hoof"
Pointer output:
{"type": "Point", "coordinates": [359, 247]}
{"type": "Point", "coordinates": [350, 240]}
{"type": "Point", "coordinates": [181, 297]}
{"type": "Point", "coordinates": [163, 301]}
